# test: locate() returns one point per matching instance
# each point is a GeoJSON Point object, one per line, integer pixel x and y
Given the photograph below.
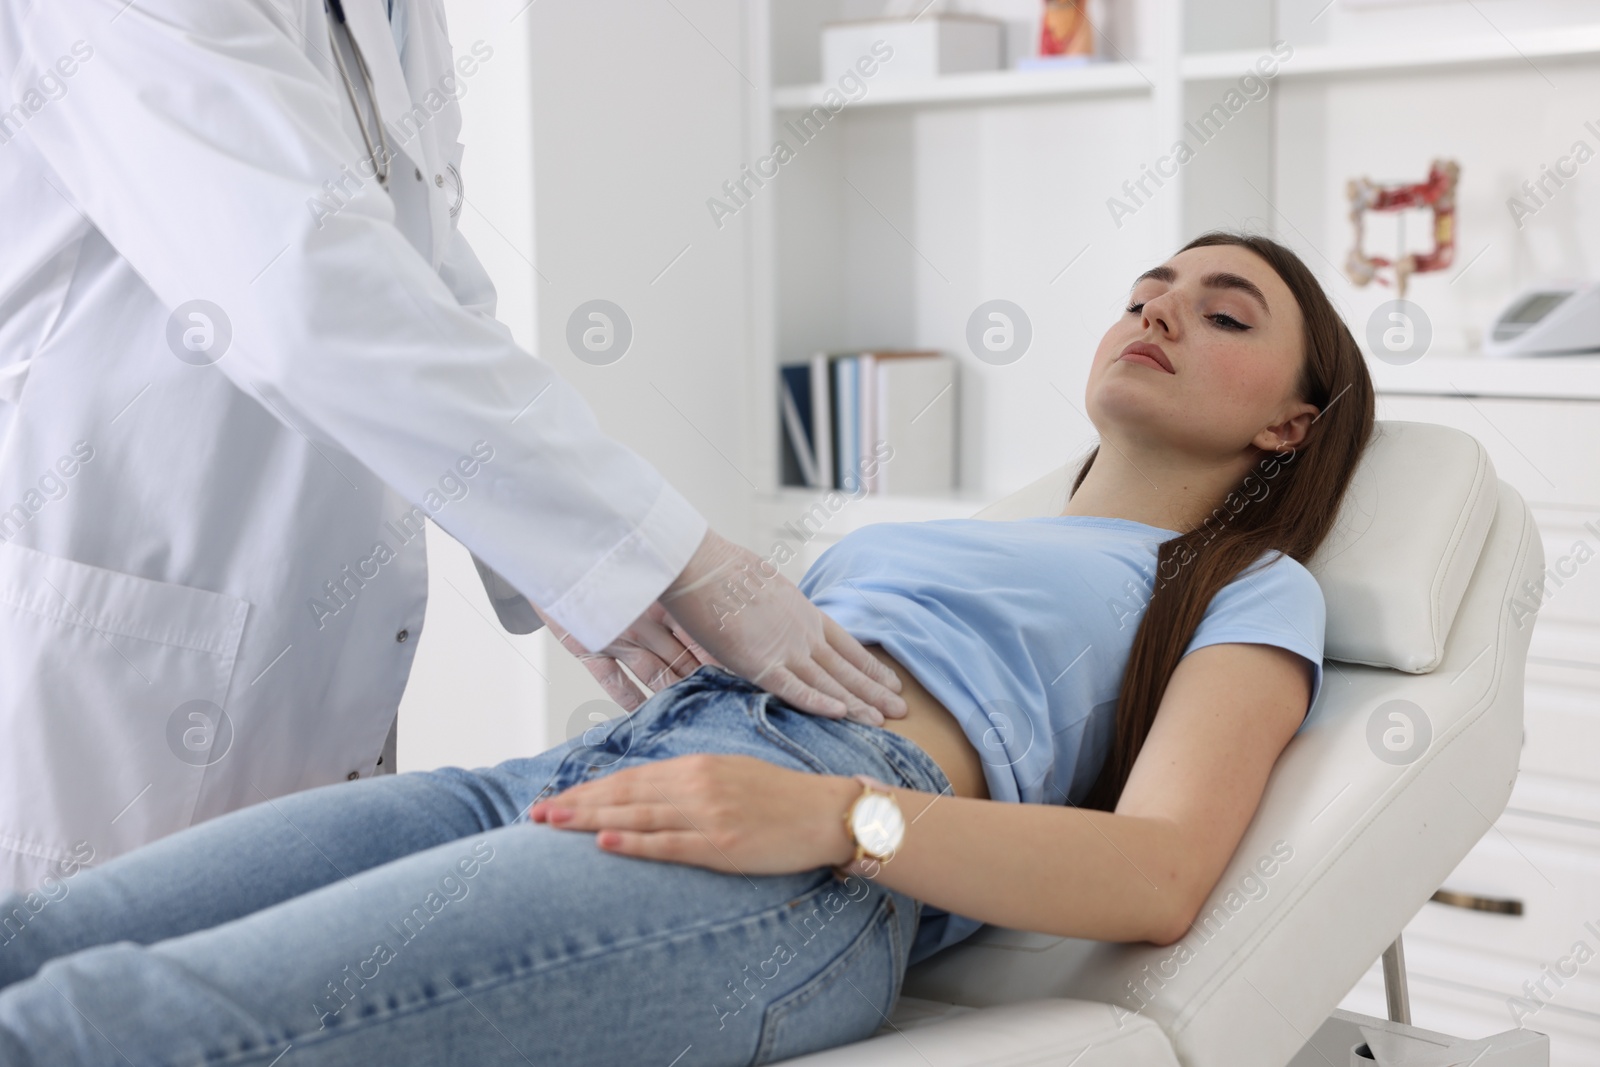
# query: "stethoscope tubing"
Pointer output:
{"type": "Point", "coordinates": [380, 166]}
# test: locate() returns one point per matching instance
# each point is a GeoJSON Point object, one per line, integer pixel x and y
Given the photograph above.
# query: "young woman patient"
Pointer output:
{"type": "Point", "coordinates": [1096, 699]}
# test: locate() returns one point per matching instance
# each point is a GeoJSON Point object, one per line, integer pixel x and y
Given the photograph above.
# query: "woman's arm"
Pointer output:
{"type": "Point", "coordinates": [1139, 874]}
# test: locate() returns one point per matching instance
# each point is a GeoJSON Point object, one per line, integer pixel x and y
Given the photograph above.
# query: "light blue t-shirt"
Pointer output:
{"type": "Point", "coordinates": [1023, 630]}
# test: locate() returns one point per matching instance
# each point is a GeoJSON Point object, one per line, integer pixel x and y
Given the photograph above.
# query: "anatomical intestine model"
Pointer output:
{"type": "Point", "coordinates": [1438, 192]}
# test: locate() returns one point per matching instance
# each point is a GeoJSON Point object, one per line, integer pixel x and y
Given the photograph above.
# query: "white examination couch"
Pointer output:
{"type": "Point", "coordinates": [1420, 576]}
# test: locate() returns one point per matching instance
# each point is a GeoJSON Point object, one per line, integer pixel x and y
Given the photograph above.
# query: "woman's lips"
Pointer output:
{"type": "Point", "coordinates": [1148, 354]}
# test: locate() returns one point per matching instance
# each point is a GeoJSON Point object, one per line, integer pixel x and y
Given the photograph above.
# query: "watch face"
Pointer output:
{"type": "Point", "coordinates": [878, 825]}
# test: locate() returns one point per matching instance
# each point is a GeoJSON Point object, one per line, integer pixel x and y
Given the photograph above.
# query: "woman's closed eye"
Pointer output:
{"type": "Point", "coordinates": [1222, 319]}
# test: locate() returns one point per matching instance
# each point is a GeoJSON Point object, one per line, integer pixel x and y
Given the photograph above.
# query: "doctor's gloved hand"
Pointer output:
{"type": "Point", "coordinates": [655, 648]}
{"type": "Point", "coordinates": [760, 626]}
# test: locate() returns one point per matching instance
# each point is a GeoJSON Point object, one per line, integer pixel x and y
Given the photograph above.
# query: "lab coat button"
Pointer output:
{"type": "Point", "coordinates": [438, 179]}
{"type": "Point", "coordinates": [352, 776]}
{"type": "Point", "coordinates": [403, 636]}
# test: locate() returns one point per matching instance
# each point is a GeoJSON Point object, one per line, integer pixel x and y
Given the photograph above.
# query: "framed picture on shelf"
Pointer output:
{"type": "Point", "coordinates": [1067, 35]}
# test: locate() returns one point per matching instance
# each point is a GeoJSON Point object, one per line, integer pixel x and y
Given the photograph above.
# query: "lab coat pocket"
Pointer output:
{"type": "Point", "coordinates": [110, 706]}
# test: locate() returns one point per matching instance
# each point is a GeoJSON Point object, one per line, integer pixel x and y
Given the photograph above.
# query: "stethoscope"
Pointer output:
{"type": "Point", "coordinates": [380, 166]}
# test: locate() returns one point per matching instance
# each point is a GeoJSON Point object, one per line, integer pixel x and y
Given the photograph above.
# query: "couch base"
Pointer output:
{"type": "Point", "coordinates": [1056, 1031]}
{"type": "Point", "coordinates": [1399, 1045]}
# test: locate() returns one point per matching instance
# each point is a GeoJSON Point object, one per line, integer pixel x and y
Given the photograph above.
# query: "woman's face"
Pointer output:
{"type": "Point", "coordinates": [1231, 332]}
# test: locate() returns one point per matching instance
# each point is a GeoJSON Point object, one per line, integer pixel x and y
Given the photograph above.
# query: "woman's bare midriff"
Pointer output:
{"type": "Point", "coordinates": [930, 724]}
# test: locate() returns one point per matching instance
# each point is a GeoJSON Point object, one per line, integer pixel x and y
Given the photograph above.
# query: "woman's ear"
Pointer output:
{"type": "Point", "coordinates": [1290, 432]}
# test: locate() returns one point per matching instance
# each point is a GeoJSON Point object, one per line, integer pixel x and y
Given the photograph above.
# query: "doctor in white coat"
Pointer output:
{"type": "Point", "coordinates": [243, 353]}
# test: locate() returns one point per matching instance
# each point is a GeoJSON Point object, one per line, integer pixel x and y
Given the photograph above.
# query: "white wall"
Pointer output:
{"type": "Point", "coordinates": [638, 115]}
{"type": "Point", "coordinates": [477, 694]}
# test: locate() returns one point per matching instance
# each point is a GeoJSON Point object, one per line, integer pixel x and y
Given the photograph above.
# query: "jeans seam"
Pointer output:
{"type": "Point", "coordinates": [818, 983]}
{"type": "Point", "coordinates": [917, 777]}
{"type": "Point", "coordinates": [897, 949]}
{"type": "Point", "coordinates": [911, 770]}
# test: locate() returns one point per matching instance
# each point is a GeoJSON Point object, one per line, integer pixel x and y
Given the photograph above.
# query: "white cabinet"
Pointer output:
{"type": "Point", "coordinates": [1537, 963]}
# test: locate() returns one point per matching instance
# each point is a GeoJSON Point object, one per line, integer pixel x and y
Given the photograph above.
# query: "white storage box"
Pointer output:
{"type": "Point", "coordinates": [923, 48]}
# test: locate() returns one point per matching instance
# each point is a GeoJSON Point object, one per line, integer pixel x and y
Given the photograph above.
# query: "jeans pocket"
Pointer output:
{"type": "Point", "coordinates": [848, 1000]}
{"type": "Point", "coordinates": [758, 708]}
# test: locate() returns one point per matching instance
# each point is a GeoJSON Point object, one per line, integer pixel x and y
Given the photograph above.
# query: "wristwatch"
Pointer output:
{"type": "Point", "coordinates": [874, 821]}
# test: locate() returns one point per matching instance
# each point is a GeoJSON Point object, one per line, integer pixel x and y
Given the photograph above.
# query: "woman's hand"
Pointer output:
{"type": "Point", "coordinates": [736, 814]}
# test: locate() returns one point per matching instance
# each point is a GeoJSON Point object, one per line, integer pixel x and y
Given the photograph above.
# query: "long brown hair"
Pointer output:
{"type": "Point", "coordinates": [1287, 502]}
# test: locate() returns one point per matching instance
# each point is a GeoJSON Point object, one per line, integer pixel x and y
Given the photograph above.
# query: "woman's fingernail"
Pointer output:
{"type": "Point", "coordinates": [559, 814]}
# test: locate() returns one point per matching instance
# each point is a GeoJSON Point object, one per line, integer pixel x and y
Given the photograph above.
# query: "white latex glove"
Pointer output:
{"type": "Point", "coordinates": [761, 627]}
{"type": "Point", "coordinates": [654, 648]}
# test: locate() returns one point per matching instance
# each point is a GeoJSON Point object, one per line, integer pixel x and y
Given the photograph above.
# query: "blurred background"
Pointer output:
{"type": "Point", "coordinates": [937, 246]}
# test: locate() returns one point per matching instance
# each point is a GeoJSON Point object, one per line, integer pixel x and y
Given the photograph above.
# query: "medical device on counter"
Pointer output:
{"type": "Point", "coordinates": [1561, 319]}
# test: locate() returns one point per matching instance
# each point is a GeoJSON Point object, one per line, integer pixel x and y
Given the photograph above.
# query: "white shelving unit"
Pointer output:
{"type": "Point", "coordinates": [1483, 50]}
{"type": "Point", "coordinates": [995, 87]}
{"type": "Point", "coordinates": [923, 199]}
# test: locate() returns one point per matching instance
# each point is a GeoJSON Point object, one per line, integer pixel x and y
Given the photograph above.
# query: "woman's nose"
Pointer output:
{"type": "Point", "coordinates": [1157, 315]}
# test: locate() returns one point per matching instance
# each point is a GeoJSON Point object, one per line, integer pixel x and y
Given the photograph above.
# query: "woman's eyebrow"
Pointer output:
{"type": "Point", "coordinates": [1216, 280]}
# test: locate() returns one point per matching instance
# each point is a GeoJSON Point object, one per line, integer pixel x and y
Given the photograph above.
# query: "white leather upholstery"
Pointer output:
{"type": "Point", "coordinates": [1049, 1033]}
{"type": "Point", "coordinates": [1410, 532]}
{"type": "Point", "coordinates": [1370, 839]}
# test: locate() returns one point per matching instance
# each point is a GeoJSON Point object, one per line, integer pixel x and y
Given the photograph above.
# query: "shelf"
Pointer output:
{"type": "Point", "coordinates": [1325, 61]}
{"type": "Point", "coordinates": [989, 86]}
{"type": "Point", "coordinates": [1532, 377]}
{"type": "Point", "coordinates": [1311, 61]}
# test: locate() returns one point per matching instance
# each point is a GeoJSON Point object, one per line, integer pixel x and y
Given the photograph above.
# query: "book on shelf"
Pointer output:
{"type": "Point", "coordinates": [877, 422]}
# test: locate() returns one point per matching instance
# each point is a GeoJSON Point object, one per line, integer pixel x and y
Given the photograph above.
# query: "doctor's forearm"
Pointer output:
{"type": "Point", "coordinates": [1073, 872]}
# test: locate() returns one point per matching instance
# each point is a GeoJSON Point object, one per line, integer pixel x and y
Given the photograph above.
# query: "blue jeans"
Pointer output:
{"type": "Point", "coordinates": [422, 919]}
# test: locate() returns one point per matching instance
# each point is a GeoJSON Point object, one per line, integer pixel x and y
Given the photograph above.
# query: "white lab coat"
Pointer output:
{"type": "Point", "coordinates": [247, 533]}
